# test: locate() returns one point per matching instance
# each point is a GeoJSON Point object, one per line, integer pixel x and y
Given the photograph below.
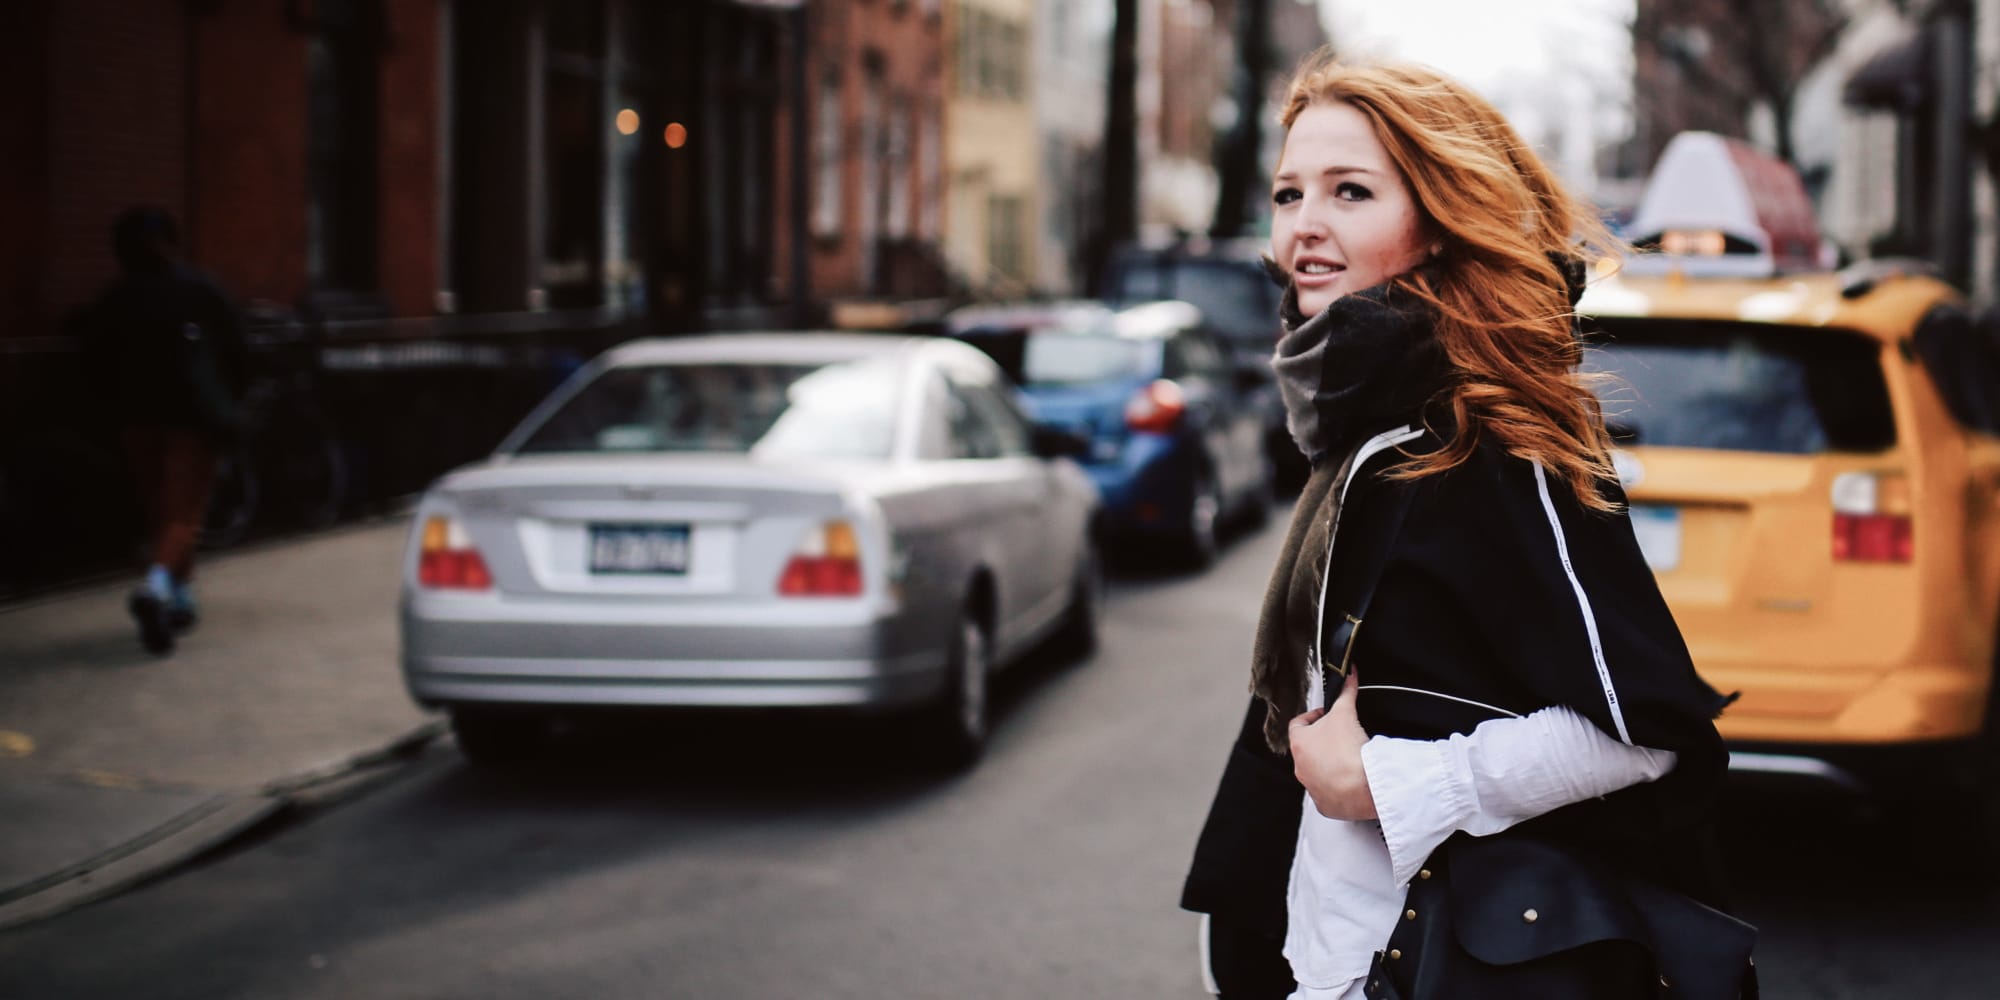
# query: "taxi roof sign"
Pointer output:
{"type": "Point", "coordinates": [1718, 206]}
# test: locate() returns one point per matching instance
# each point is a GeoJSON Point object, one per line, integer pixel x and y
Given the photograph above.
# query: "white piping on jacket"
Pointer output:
{"type": "Point", "coordinates": [1583, 601]}
{"type": "Point", "coordinates": [1440, 694]}
{"type": "Point", "coordinates": [1368, 450]}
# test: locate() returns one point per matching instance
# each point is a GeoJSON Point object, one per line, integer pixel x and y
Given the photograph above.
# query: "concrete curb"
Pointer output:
{"type": "Point", "coordinates": [207, 826]}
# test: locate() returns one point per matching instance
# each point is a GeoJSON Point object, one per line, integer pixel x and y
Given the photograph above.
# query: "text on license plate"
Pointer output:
{"type": "Point", "coordinates": [1659, 532]}
{"type": "Point", "coordinates": [638, 548]}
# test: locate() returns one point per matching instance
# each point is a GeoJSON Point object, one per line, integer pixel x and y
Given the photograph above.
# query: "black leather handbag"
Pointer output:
{"type": "Point", "coordinates": [1519, 916]}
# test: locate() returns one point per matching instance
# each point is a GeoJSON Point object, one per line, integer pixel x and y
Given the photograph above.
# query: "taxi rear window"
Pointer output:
{"type": "Point", "coordinates": [1741, 386]}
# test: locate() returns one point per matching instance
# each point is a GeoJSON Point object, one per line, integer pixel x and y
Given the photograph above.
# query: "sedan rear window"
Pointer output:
{"type": "Point", "coordinates": [839, 410]}
{"type": "Point", "coordinates": [1065, 355]}
{"type": "Point", "coordinates": [1067, 359]}
{"type": "Point", "coordinates": [1741, 386]}
{"type": "Point", "coordinates": [1236, 298]}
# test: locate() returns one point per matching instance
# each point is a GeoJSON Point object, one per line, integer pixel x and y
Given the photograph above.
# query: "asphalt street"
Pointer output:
{"type": "Point", "coordinates": [780, 856]}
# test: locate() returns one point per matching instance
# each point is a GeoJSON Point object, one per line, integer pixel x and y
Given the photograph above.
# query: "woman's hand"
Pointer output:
{"type": "Point", "coordinates": [1326, 756]}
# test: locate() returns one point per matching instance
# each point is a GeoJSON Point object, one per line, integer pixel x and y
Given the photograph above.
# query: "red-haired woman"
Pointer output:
{"type": "Point", "coordinates": [1518, 670]}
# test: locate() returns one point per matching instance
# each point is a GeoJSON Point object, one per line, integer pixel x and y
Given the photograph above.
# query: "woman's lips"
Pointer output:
{"type": "Point", "coordinates": [1308, 279]}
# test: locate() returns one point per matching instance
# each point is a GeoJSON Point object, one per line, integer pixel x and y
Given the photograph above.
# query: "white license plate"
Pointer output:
{"type": "Point", "coordinates": [639, 548]}
{"type": "Point", "coordinates": [1659, 533]}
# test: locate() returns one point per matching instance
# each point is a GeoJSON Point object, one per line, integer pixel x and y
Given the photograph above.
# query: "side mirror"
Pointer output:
{"type": "Point", "coordinates": [1058, 442]}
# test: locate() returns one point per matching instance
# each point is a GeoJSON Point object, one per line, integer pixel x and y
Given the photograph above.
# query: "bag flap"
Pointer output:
{"type": "Point", "coordinates": [1515, 900]}
{"type": "Point", "coordinates": [1497, 882]}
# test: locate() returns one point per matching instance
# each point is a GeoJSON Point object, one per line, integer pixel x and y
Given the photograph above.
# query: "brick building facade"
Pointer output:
{"type": "Point", "coordinates": [434, 208]}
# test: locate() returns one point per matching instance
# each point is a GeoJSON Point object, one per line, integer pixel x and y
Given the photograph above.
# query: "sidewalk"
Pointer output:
{"type": "Point", "coordinates": [116, 765]}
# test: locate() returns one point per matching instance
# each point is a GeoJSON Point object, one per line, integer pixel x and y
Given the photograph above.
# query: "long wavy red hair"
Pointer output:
{"type": "Point", "coordinates": [1503, 223]}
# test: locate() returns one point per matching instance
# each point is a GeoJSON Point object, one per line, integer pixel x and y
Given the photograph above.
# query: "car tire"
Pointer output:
{"type": "Point", "coordinates": [1261, 496]}
{"type": "Point", "coordinates": [1200, 537]}
{"type": "Point", "coordinates": [959, 718]}
{"type": "Point", "coordinates": [495, 737]}
{"type": "Point", "coordinates": [1078, 636]}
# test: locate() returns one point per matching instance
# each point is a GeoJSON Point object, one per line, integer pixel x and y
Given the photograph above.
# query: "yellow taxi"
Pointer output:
{"type": "Point", "coordinates": [1812, 473]}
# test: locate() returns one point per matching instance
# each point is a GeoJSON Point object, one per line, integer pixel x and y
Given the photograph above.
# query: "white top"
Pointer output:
{"type": "Point", "coordinates": [1349, 878]}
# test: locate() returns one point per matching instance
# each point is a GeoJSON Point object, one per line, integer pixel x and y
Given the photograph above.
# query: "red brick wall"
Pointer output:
{"type": "Point", "coordinates": [910, 42]}
{"type": "Point", "coordinates": [411, 117]}
{"type": "Point", "coordinates": [115, 135]}
{"type": "Point", "coordinates": [249, 199]}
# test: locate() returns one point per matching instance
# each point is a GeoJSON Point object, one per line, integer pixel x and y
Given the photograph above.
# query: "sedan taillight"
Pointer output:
{"type": "Point", "coordinates": [1871, 518]}
{"type": "Point", "coordinates": [448, 560]}
{"type": "Point", "coordinates": [826, 564]}
{"type": "Point", "coordinates": [1157, 408]}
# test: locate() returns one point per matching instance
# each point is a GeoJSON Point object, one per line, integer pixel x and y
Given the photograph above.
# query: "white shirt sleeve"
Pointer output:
{"type": "Point", "coordinates": [1504, 772]}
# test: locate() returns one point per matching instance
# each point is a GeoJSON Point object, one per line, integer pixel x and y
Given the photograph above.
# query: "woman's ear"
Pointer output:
{"type": "Point", "coordinates": [1275, 271]}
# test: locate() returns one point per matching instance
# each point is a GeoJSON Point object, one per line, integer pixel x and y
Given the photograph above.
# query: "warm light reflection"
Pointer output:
{"type": "Point", "coordinates": [628, 122]}
{"type": "Point", "coordinates": [677, 135]}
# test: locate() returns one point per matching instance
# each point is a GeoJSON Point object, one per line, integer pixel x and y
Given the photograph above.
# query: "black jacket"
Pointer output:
{"type": "Point", "coordinates": [168, 348]}
{"type": "Point", "coordinates": [1500, 589]}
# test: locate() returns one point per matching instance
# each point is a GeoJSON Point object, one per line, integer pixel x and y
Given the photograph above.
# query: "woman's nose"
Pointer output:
{"type": "Point", "coordinates": [1310, 227]}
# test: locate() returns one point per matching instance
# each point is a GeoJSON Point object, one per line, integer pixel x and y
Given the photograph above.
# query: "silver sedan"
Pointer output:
{"type": "Point", "coordinates": [752, 520]}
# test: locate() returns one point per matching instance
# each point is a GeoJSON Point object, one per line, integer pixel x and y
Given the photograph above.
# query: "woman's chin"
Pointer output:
{"type": "Point", "coordinates": [1313, 302]}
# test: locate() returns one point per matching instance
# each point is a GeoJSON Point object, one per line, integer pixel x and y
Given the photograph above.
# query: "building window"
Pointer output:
{"type": "Point", "coordinates": [930, 170]}
{"type": "Point", "coordinates": [992, 55]}
{"type": "Point", "coordinates": [827, 163]}
{"type": "Point", "coordinates": [574, 127]}
{"type": "Point", "coordinates": [341, 148]}
{"type": "Point", "coordinates": [1005, 215]}
{"type": "Point", "coordinates": [896, 163]}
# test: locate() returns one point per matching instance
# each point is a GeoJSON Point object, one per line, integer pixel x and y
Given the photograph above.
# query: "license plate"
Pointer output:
{"type": "Point", "coordinates": [1659, 532]}
{"type": "Point", "coordinates": [639, 548]}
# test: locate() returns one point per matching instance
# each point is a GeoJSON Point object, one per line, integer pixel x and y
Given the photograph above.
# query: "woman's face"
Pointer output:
{"type": "Point", "coordinates": [1342, 217]}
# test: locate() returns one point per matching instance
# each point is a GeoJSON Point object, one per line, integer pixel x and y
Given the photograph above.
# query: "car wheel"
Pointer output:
{"type": "Point", "coordinates": [496, 736]}
{"type": "Point", "coordinates": [1263, 493]}
{"type": "Point", "coordinates": [959, 718]}
{"type": "Point", "coordinates": [1199, 542]}
{"type": "Point", "coordinates": [1078, 637]}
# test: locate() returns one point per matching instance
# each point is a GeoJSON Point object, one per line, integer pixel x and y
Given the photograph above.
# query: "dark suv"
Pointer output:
{"type": "Point", "coordinates": [1226, 280]}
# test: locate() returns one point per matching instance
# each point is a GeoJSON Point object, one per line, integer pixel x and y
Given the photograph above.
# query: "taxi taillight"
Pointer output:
{"type": "Point", "coordinates": [826, 564]}
{"type": "Point", "coordinates": [1157, 408]}
{"type": "Point", "coordinates": [1871, 518]}
{"type": "Point", "coordinates": [447, 559]}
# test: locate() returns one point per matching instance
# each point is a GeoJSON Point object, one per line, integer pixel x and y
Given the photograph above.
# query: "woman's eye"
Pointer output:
{"type": "Point", "coordinates": [1350, 191]}
{"type": "Point", "coordinates": [1285, 196]}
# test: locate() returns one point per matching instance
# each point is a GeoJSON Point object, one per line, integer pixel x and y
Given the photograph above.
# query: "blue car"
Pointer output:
{"type": "Point", "coordinates": [1175, 435]}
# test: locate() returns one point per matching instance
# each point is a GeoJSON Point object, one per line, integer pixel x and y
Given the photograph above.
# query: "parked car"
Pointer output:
{"type": "Point", "coordinates": [1814, 477]}
{"type": "Point", "coordinates": [1227, 281]}
{"type": "Point", "coordinates": [1175, 436]}
{"type": "Point", "coordinates": [804, 520]}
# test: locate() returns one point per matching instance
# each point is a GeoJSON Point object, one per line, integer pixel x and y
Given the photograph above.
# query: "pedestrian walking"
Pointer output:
{"type": "Point", "coordinates": [1464, 674]}
{"type": "Point", "coordinates": [167, 348]}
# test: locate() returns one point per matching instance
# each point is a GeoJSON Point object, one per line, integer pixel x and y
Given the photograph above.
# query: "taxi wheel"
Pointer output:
{"type": "Point", "coordinates": [1200, 543]}
{"type": "Point", "coordinates": [958, 720]}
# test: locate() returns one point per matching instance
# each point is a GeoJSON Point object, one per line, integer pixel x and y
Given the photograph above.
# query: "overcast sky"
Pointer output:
{"type": "Point", "coordinates": [1560, 69]}
{"type": "Point", "coordinates": [1489, 42]}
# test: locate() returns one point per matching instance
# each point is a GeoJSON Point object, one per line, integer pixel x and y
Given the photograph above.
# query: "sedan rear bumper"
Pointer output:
{"type": "Point", "coordinates": [733, 683]}
{"type": "Point", "coordinates": [458, 651]}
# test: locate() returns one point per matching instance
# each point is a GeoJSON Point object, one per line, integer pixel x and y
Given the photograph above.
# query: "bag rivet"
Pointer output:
{"type": "Point", "coordinates": [1409, 914]}
{"type": "Point", "coordinates": [1530, 916]}
{"type": "Point", "coordinates": [1395, 953]}
{"type": "Point", "coordinates": [1424, 873]}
